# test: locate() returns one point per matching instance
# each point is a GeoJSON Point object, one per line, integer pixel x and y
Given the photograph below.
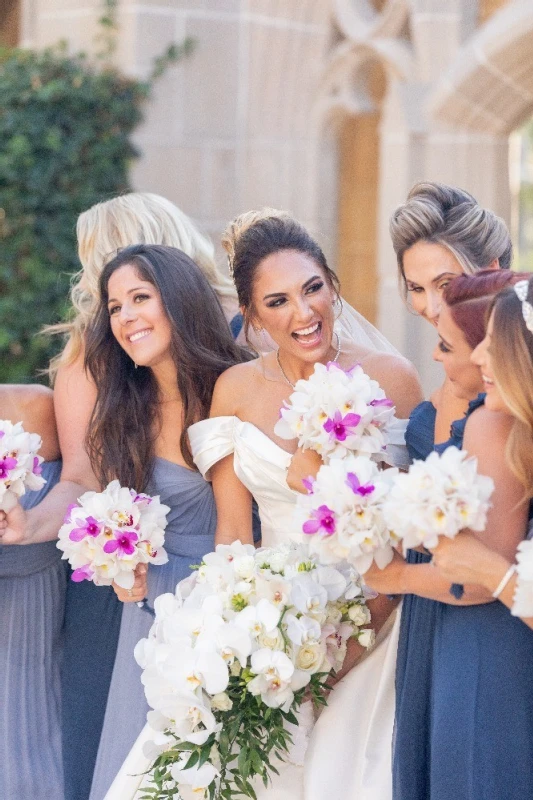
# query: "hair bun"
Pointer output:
{"type": "Point", "coordinates": [238, 226]}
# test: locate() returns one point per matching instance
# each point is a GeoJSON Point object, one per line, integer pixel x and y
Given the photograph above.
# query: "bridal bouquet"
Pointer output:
{"type": "Point", "coordinates": [438, 497]}
{"type": "Point", "coordinates": [342, 514]}
{"type": "Point", "coordinates": [337, 412]}
{"type": "Point", "coordinates": [523, 596]}
{"type": "Point", "coordinates": [229, 658]}
{"type": "Point", "coordinates": [20, 466]}
{"type": "Point", "coordinates": [106, 534]}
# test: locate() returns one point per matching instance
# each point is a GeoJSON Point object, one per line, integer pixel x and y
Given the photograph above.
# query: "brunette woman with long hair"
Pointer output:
{"type": "Point", "coordinates": [158, 343]}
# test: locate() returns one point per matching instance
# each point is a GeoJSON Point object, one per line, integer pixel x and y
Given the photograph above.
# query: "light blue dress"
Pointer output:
{"type": "Point", "coordinates": [189, 536]}
{"type": "Point", "coordinates": [32, 597]}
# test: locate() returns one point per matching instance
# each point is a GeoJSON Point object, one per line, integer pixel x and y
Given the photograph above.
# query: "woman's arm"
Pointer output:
{"type": "Point", "coordinates": [33, 405]}
{"type": "Point", "coordinates": [485, 438]}
{"type": "Point", "coordinates": [399, 380]}
{"type": "Point", "coordinates": [74, 399]}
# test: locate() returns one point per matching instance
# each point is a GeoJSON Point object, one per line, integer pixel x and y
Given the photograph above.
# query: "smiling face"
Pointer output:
{"type": "Point", "coordinates": [293, 302]}
{"type": "Point", "coordinates": [138, 320]}
{"type": "Point", "coordinates": [428, 268]}
{"type": "Point", "coordinates": [454, 352]}
{"type": "Point", "coordinates": [483, 359]}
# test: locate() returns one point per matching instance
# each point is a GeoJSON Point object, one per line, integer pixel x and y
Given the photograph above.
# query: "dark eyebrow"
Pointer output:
{"type": "Point", "coordinates": [306, 284]}
{"type": "Point", "coordinates": [135, 289]}
{"type": "Point", "coordinates": [447, 344]}
{"type": "Point", "coordinates": [444, 275]}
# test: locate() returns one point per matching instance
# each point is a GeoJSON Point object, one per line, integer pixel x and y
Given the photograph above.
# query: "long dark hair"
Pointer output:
{"type": "Point", "coordinates": [124, 423]}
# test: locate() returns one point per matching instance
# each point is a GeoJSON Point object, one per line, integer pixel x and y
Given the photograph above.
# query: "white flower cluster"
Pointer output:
{"type": "Point", "coordinates": [20, 466]}
{"type": "Point", "coordinates": [343, 513]}
{"type": "Point", "coordinates": [106, 534]}
{"type": "Point", "coordinates": [262, 622]}
{"type": "Point", "coordinates": [438, 497]}
{"type": "Point", "coordinates": [337, 412]}
{"type": "Point", "coordinates": [523, 596]}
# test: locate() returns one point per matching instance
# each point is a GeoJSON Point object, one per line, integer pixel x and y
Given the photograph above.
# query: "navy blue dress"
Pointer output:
{"type": "Point", "coordinates": [471, 737]}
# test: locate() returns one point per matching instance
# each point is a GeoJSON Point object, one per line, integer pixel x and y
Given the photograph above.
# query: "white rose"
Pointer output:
{"type": "Point", "coordinates": [359, 615]}
{"type": "Point", "coordinates": [235, 668]}
{"type": "Point", "coordinates": [367, 637]}
{"type": "Point", "coordinates": [310, 657]}
{"type": "Point", "coordinates": [334, 616]}
{"type": "Point", "coordinates": [273, 640]}
{"type": "Point", "coordinates": [221, 702]}
{"type": "Point", "coordinates": [244, 567]}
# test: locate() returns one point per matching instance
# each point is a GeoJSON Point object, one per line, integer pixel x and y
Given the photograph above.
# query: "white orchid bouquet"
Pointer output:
{"type": "Point", "coordinates": [523, 596]}
{"type": "Point", "coordinates": [20, 466]}
{"type": "Point", "coordinates": [438, 497]}
{"type": "Point", "coordinates": [229, 659]}
{"type": "Point", "coordinates": [342, 513]}
{"type": "Point", "coordinates": [106, 534]}
{"type": "Point", "coordinates": [337, 412]}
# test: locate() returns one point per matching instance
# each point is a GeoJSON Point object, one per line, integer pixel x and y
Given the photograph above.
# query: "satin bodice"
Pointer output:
{"type": "Point", "coordinates": [261, 465]}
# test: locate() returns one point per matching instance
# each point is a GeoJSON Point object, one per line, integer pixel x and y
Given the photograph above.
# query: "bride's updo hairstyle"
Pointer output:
{"type": "Point", "coordinates": [511, 350]}
{"type": "Point", "coordinates": [255, 235]}
{"type": "Point", "coordinates": [452, 218]}
{"type": "Point", "coordinates": [469, 299]}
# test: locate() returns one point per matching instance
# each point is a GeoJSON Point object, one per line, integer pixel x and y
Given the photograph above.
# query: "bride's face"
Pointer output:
{"type": "Point", "coordinates": [293, 302]}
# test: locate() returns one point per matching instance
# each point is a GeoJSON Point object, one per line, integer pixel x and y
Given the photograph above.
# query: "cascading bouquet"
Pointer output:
{"type": "Point", "coordinates": [20, 466]}
{"type": "Point", "coordinates": [336, 412]}
{"type": "Point", "coordinates": [438, 497]}
{"type": "Point", "coordinates": [229, 659]}
{"type": "Point", "coordinates": [106, 534]}
{"type": "Point", "coordinates": [523, 596]}
{"type": "Point", "coordinates": [342, 513]}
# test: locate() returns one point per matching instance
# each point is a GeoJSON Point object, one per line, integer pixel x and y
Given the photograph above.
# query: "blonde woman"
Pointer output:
{"type": "Point", "coordinates": [92, 618]}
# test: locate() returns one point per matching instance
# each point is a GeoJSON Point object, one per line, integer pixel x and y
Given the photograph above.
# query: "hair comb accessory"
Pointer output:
{"type": "Point", "coordinates": [521, 289]}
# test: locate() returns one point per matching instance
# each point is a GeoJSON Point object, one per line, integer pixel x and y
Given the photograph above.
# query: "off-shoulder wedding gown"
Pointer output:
{"type": "Point", "coordinates": [349, 751]}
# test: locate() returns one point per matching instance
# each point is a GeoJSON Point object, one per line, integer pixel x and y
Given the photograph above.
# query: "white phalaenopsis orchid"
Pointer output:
{"type": "Point", "coordinates": [20, 466]}
{"type": "Point", "coordinates": [251, 627]}
{"type": "Point", "coordinates": [342, 514]}
{"type": "Point", "coordinates": [337, 412]}
{"type": "Point", "coordinates": [438, 497]}
{"type": "Point", "coordinates": [107, 534]}
{"type": "Point", "coordinates": [523, 596]}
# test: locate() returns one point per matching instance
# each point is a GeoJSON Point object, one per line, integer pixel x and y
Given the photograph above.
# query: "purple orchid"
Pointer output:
{"type": "Point", "coordinates": [88, 527]}
{"type": "Point", "coordinates": [309, 484]}
{"type": "Point", "coordinates": [84, 573]}
{"type": "Point", "coordinates": [340, 427]}
{"type": "Point", "coordinates": [383, 402]}
{"type": "Point", "coordinates": [123, 543]}
{"type": "Point", "coordinates": [37, 469]}
{"type": "Point", "coordinates": [7, 464]}
{"type": "Point", "coordinates": [324, 521]}
{"type": "Point", "coordinates": [68, 513]}
{"type": "Point", "coordinates": [355, 485]}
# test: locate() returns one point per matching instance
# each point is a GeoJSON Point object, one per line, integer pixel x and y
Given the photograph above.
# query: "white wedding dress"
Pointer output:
{"type": "Point", "coordinates": [349, 751]}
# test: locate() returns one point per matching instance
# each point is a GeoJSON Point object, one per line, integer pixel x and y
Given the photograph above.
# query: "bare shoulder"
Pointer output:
{"type": "Point", "coordinates": [20, 398]}
{"type": "Point", "coordinates": [398, 378]}
{"type": "Point", "coordinates": [231, 386]}
{"type": "Point", "coordinates": [488, 431]}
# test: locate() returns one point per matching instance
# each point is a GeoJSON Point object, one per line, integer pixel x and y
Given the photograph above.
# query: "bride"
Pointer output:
{"type": "Point", "coordinates": [287, 290]}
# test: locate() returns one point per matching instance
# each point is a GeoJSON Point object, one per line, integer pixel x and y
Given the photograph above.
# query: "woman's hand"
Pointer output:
{"type": "Point", "coordinates": [465, 559]}
{"type": "Point", "coordinates": [139, 589]}
{"type": "Point", "coordinates": [13, 528]}
{"type": "Point", "coordinates": [389, 580]}
{"type": "Point", "coordinates": [304, 464]}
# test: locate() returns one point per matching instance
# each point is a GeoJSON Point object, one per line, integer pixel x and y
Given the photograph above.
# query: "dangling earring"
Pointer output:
{"type": "Point", "coordinates": [135, 365]}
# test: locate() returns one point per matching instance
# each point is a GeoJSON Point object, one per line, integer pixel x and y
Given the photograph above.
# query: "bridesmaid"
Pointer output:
{"type": "Point", "coordinates": [162, 382]}
{"type": "Point", "coordinates": [32, 599]}
{"type": "Point", "coordinates": [439, 233]}
{"type": "Point", "coordinates": [92, 617]}
{"type": "Point", "coordinates": [479, 687]}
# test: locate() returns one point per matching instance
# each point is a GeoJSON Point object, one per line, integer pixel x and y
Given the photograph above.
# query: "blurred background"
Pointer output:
{"type": "Point", "coordinates": [330, 109]}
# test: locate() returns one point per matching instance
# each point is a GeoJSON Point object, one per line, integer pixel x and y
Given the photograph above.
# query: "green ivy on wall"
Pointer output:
{"type": "Point", "coordinates": [65, 144]}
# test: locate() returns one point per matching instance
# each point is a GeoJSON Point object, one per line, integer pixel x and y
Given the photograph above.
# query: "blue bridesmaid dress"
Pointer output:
{"type": "Point", "coordinates": [471, 736]}
{"type": "Point", "coordinates": [32, 598]}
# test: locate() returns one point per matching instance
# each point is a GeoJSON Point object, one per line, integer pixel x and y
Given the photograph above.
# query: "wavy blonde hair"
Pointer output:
{"type": "Point", "coordinates": [452, 218]}
{"type": "Point", "coordinates": [107, 227]}
{"type": "Point", "coordinates": [512, 363]}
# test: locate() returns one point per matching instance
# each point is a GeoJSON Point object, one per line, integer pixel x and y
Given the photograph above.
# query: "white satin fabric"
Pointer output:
{"type": "Point", "coordinates": [349, 752]}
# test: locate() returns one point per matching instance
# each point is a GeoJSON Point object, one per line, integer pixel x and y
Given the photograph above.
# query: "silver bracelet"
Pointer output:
{"type": "Point", "coordinates": [504, 581]}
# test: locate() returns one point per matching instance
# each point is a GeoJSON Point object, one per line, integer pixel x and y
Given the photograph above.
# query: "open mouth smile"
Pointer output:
{"type": "Point", "coordinates": [135, 337]}
{"type": "Point", "coordinates": [308, 336]}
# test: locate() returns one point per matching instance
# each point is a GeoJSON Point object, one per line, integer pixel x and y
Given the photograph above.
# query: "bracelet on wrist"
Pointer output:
{"type": "Point", "coordinates": [504, 581]}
